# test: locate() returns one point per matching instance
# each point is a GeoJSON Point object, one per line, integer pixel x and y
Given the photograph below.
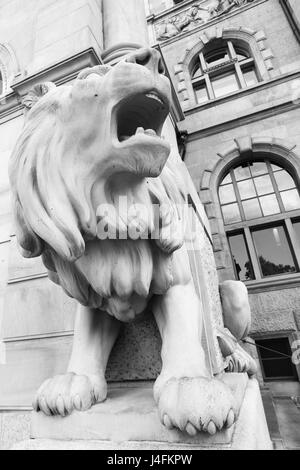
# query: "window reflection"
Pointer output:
{"type": "Point", "coordinates": [251, 209]}
{"type": "Point", "coordinates": [284, 180]}
{"type": "Point", "coordinates": [258, 168]}
{"type": "Point", "coordinates": [263, 185]}
{"type": "Point", "coordinates": [248, 194]}
{"type": "Point", "coordinates": [290, 199]}
{"type": "Point", "coordinates": [227, 194]}
{"type": "Point", "coordinates": [269, 205]}
{"type": "Point", "coordinates": [242, 263]}
{"type": "Point", "coordinates": [242, 173]}
{"type": "Point", "coordinates": [246, 189]}
{"type": "Point", "coordinates": [261, 189]}
{"type": "Point", "coordinates": [273, 251]}
{"type": "Point", "coordinates": [201, 95]}
{"type": "Point", "coordinates": [296, 226]}
{"type": "Point", "coordinates": [225, 85]}
{"type": "Point", "coordinates": [231, 213]}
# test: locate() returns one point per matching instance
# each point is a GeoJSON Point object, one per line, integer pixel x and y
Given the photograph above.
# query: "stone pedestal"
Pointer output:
{"type": "Point", "coordinates": [128, 419]}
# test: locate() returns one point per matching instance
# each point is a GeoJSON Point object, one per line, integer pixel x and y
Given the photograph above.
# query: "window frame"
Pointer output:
{"type": "Point", "coordinates": [246, 227]}
{"type": "Point", "coordinates": [232, 66]}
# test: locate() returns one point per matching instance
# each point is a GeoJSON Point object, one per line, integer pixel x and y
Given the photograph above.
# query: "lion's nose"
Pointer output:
{"type": "Point", "coordinates": [149, 58]}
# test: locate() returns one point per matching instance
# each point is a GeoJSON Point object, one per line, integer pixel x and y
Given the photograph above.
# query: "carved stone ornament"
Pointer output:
{"type": "Point", "coordinates": [84, 150]}
{"type": "Point", "coordinates": [197, 14]}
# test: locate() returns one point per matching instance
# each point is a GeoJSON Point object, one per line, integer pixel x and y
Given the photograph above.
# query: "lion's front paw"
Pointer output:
{"type": "Point", "coordinates": [196, 404]}
{"type": "Point", "coordinates": [62, 394]}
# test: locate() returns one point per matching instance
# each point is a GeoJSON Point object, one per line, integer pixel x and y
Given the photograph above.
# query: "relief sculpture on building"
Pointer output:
{"type": "Point", "coordinates": [194, 16]}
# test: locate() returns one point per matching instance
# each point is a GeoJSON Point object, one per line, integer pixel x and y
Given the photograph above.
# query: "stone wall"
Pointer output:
{"type": "Point", "coordinates": [45, 32]}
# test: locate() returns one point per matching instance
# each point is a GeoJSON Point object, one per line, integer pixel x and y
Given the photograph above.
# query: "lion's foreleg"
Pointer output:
{"type": "Point", "coordinates": [188, 397]}
{"type": "Point", "coordinates": [179, 320]}
{"type": "Point", "coordinates": [84, 383]}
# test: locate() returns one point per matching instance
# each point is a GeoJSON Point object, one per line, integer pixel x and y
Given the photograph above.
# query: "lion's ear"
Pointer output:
{"type": "Point", "coordinates": [36, 93]}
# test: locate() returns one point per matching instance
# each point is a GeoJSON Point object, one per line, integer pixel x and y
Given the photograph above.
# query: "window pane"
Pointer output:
{"type": "Point", "coordinates": [251, 209]}
{"type": "Point", "coordinates": [227, 194]}
{"type": "Point", "coordinates": [258, 168]}
{"type": "Point", "coordinates": [250, 77]}
{"type": "Point", "coordinates": [242, 263]}
{"type": "Point", "coordinates": [197, 71]}
{"type": "Point", "coordinates": [269, 205]}
{"type": "Point", "coordinates": [264, 185]}
{"type": "Point", "coordinates": [201, 95]}
{"type": "Point", "coordinates": [282, 368]}
{"type": "Point", "coordinates": [227, 179]}
{"type": "Point", "coordinates": [241, 56]}
{"type": "Point", "coordinates": [274, 364]}
{"type": "Point", "coordinates": [216, 57]}
{"type": "Point", "coordinates": [273, 251]}
{"type": "Point", "coordinates": [284, 180]}
{"type": "Point", "coordinates": [296, 226]}
{"type": "Point", "coordinates": [246, 189]}
{"type": "Point", "coordinates": [278, 345]}
{"type": "Point", "coordinates": [242, 173]}
{"type": "Point", "coordinates": [223, 85]}
{"type": "Point", "coordinates": [290, 199]}
{"type": "Point", "coordinates": [231, 213]}
{"type": "Point", "coordinates": [276, 168]}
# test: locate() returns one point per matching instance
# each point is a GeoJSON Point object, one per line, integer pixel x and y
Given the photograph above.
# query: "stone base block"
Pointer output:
{"type": "Point", "coordinates": [129, 420]}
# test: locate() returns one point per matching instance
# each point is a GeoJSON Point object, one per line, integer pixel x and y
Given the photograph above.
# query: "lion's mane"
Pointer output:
{"type": "Point", "coordinates": [55, 216]}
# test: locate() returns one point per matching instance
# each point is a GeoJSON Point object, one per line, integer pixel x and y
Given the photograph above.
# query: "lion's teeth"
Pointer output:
{"type": "Point", "coordinates": [150, 132]}
{"type": "Point", "coordinates": [154, 97]}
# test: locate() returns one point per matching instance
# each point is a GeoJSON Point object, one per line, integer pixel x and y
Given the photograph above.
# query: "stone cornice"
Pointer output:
{"type": "Point", "coordinates": [59, 73]}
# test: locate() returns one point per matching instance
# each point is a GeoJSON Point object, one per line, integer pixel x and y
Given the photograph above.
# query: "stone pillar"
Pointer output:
{"type": "Point", "coordinates": [124, 26]}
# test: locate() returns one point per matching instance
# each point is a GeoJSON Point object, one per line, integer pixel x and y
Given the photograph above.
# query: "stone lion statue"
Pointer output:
{"type": "Point", "coordinates": [84, 148]}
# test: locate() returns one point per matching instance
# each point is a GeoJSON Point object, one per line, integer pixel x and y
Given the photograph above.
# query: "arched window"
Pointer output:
{"type": "Point", "coordinates": [221, 68]}
{"type": "Point", "coordinates": [260, 204]}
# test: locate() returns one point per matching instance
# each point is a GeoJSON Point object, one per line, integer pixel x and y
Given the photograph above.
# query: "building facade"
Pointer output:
{"type": "Point", "coordinates": [235, 69]}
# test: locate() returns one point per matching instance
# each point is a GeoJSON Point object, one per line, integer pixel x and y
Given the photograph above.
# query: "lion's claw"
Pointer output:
{"type": "Point", "coordinates": [64, 393]}
{"type": "Point", "coordinates": [196, 404]}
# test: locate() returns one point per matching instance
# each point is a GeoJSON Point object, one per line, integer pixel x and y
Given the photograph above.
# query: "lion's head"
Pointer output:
{"type": "Point", "coordinates": [87, 143]}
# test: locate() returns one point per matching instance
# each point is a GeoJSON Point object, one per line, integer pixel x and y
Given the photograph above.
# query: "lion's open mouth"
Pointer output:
{"type": "Point", "coordinates": [141, 114]}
